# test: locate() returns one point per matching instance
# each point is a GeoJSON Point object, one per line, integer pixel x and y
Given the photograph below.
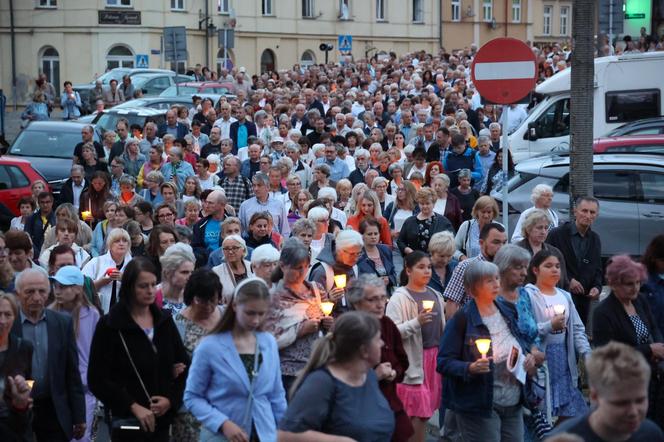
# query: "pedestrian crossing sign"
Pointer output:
{"type": "Point", "coordinates": [142, 61]}
{"type": "Point", "coordinates": [345, 43]}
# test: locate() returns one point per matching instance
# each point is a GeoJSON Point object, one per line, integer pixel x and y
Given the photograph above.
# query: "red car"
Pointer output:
{"type": "Point", "coordinates": [16, 177]}
{"type": "Point", "coordinates": [630, 144]}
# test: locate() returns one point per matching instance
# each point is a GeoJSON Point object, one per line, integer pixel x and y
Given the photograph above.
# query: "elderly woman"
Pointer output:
{"type": "Point", "coordinates": [321, 178]}
{"type": "Point", "coordinates": [103, 228]}
{"type": "Point", "coordinates": [396, 172]}
{"type": "Point", "coordinates": [441, 250]}
{"type": "Point", "coordinates": [376, 258]}
{"type": "Point", "coordinates": [294, 186]}
{"type": "Point", "coordinates": [304, 229]}
{"type": "Point", "coordinates": [380, 185]}
{"type": "Point", "coordinates": [235, 268]}
{"type": "Point", "coordinates": [128, 195]}
{"type": "Point", "coordinates": [132, 157]}
{"type": "Point", "coordinates": [484, 395]}
{"type": "Point", "coordinates": [264, 260]}
{"type": "Point", "coordinates": [541, 197]}
{"type": "Point", "coordinates": [151, 188]}
{"type": "Point", "coordinates": [177, 264]}
{"type": "Point", "coordinates": [154, 163]}
{"type": "Point", "coordinates": [467, 237]}
{"type": "Point", "coordinates": [106, 270]}
{"type": "Point", "coordinates": [446, 203]}
{"type": "Point", "coordinates": [192, 210]}
{"type": "Point", "coordinates": [169, 194]}
{"type": "Point", "coordinates": [367, 294]}
{"type": "Point", "coordinates": [176, 170]}
{"type": "Point", "coordinates": [296, 317]}
{"type": "Point", "coordinates": [200, 316]}
{"type": "Point", "coordinates": [85, 235]}
{"type": "Point", "coordinates": [344, 189]}
{"type": "Point", "coordinates": [625, 316]}
{"type": "Point", "coordinates": [368, 206]}
{"type": "Point", "coordinates": [418, 229]}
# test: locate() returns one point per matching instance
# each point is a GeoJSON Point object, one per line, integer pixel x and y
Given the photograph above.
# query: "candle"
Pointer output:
{"type": "Point", "coordinates": [559, 309]}
{"type": "Point", "coordinates": [30, 383]}
{"type": "Point", "coordinates": [327, 307]}
{"type": "Point", "coordinates": [86, 214]}
{"type": "Point", "coordinates": [427, 305]}
{"type": "Point", "coordinates": [340, 281]}
{"type": "Point", "coordinates": [483, 346]}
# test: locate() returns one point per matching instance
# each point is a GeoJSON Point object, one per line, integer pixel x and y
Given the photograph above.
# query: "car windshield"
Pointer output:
{"type": "Point", "coordinates": [108, 121]}
{"type": "Point", "coordinates": [184, 90]}
{"type": "Point", "coordinates": [113, 74]}
{"type": "Point", "coordinates": [55, 143]}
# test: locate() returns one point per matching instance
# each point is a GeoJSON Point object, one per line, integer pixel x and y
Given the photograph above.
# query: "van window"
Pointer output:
{"type": "Point", "coordinates": [607, 185]}
{"type": "Point", "coordinates": [554, 122]}
{"type": "Point", "coordinates": [652, 185]}
{"type": "Point", "coordinates": [623, 106]}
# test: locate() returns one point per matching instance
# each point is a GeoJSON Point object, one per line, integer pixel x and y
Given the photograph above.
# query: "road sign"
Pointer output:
{"type": "Point", "coordinates": [175, 43]}
{"type": "Point", "coordinates": [226, 38]}
{"type": "Point", "coordinates": [504, 70]}
{"type": "Point", "coordinates": [142, 61]}
{"type": "Point", "coordinates": [345, 43]}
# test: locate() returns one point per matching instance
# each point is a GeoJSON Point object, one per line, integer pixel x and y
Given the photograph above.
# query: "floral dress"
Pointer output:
{"type": "Point", "coordinates": [424, 232]}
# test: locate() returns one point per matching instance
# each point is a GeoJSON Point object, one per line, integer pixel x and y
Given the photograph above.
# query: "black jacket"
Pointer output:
{"type": "Point", "coordinates": [16, 426]}
{"type": "Point", "coordinates": [111, 377]}
{"type": "Point", "coordinates": [36, 229]}
{"type": "Point", "coordinates": [588, 269]}
{"type": "Point", "coordinates": [410, 234]}
{"type": "Point", "coordinates": [67, 191]}
{"type": "Point", "coordinates": [611, 323]}
{"type": "Point", "coordinates": [65, 386]}
{"type": "Point", "coordinates": [251, 131]}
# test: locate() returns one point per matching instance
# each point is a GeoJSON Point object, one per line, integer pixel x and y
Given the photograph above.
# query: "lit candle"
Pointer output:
{"type": "Point", "coordinates": [30, 383]}
{"type": "Point", "coordinates": [427, 305]}
{"type": "Point", "coordinates": [340, 281]}
{"type": "Point", "coordinates": [559, 309]}
{"type": "Point", "coordinates": [86, 214]}
{"type": "Point", "coordinates": [327, 307]}
{"type": "Point", "coordinates": [483, 346]}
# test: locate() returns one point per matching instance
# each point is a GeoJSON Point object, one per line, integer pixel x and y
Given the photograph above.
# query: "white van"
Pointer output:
{"type": "Point", "coordinates": [627, 88]}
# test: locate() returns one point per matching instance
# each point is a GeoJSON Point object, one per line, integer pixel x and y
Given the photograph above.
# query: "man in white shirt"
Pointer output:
{"type": "Point", "coordinates": [224, 123]}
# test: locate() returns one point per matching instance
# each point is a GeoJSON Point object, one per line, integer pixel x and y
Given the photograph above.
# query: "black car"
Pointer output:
{"type": "Point", "coordinates": [135, 115]}
{"type": "Point", "coordinates": [165, 103]}
{"type": "Point", "coordinates": [647, 126]}
{"type": "Point", "coordinates": [49, 146]}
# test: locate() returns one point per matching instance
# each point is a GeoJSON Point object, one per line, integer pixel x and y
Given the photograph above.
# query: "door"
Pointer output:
{"type": "Point", "coordinates": [14, 185]}
{"type": "Point", "coordinates": [50, 65]}
{"type": "Point", "coordinates": [651, 207]}
{"type": "Point", "coordinates": [551, 128]}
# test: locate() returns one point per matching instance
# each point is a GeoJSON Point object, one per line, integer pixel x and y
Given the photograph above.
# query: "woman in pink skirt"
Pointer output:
{"type": "Point", "coordinates": [418, 312]}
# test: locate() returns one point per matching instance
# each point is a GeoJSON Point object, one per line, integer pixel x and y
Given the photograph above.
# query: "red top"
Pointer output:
{"type": "Point", "coordinates": [385, 236]}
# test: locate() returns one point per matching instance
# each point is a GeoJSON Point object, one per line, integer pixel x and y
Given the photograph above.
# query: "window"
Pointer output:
{"type": "Point", "coordinates": [223, 6]}
{"type": "Point", "coordinates": [5, 181]}
{"type": "Point", "coordinates": [308, 8]}
{"type": "Point", "coordinates": [623, 106]}
{"type": "Point", "coordinates": [268, 61]}
{"type": "Point", "coordinates": [652, 186]}
{"type": "Point", "coordinates": [224, 59]}
{"type": "Point", "coordinates": [344, 10]}
{"type": "Point", "coordinates": [418, 11]}
{"type": "Point", "coordinates": [308, 59]}
{"type": "Point", "coordinates": [516, 11]}
{"type": "Point", "coordinates": [19, 178]}
{"type": "Point", "coordinates": [47, 3]}
{"type": "Point", "coordinates": [118, 3]}
{"type": "Point", "coordinates": [564, 20]}
{"type": "Point", "coordinates": [49, 63]}
{"type": "Point", "coordinates": [554, 122]}
{"type": "Point", "coordinates": [267, 7]}
{"type": "Point", "coordinates": [120, 57]}
{"type": "Point", "coordinates": [456, 10]}
{"type": "Point", "coordinates": [546, 20]}
{"type": "Point", "coordinates": [159, 84]}
{"type": "Point", "coordinates": [487, 10]}
{"type": "Point", "coordinates": [177, 5]}
{"type": "Point", "coordinates": [614, 185]}
{"type": "Point", "coordinates": [380, 10]}
{"type": "Point", "coordinates": [179, 67]}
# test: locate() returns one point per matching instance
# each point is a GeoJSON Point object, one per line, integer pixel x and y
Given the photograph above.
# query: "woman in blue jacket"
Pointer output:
{"type": "Point", "coordinates": [376, 258]}
{"type": "Point", "coordinates": [234, 386]}
{"type": "Point", "coordinates": [482, 392]}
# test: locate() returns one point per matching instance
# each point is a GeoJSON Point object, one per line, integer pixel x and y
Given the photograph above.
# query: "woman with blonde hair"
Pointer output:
{"type": "Point", "coordinates": [467, 240]}
{"type": "Point", "coordinates": [344, 189]}
{"type": "Point", "coordinates": [368, 206]}
{"type": "Point", "coordinates": [355, 194]}
{"type": "Point", "coordinates": [467, 131]}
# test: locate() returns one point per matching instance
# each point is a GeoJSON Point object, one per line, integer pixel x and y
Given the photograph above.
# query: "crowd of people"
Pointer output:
{"type": "Point", "coordinates": [320, 258]}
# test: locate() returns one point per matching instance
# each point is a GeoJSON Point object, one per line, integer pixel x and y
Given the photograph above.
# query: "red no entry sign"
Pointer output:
{"type": "Point", "coordinates": [504, 70]}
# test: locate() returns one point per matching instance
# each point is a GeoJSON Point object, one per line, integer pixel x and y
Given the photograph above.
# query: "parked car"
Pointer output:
{"type": "Point", "coordinates": [49, 147]}
{"type": "Point", "coordinates": [153, 84]}
{"type": "Point", "coordinates": [135, 115]}
{"type": "Point", "coordinates": [165, 103]}
{"type": "Point", "coordinates": [630, 188]}
{"type": "Point", "coordinates": [622, 144]}
{"type": "Point", "coordinates": [16, 177]}
{"type": "Point", "coordinates": [114, 74]}
{"type": "Point", "coordinates": [200, 87]}
{"type": "Point", "coordinates": [647, 126]}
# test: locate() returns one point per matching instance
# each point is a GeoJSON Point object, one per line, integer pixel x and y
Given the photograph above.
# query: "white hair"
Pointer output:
{"type": "Point", "coordinates": [348, 238]}
{"type": "Point", "coordinates": [264, 253]}
{"type": "Point", "coordinates": [174, 256]}
{"type": "Point", "coordinates": [327, 192]}
{"type": "Point", "coordinates": [36, 270]}
{"type": "Point", "coordinates": [540, 190]}
{"type": "Point", "coordinates": [318, 214]}
{"type": "Point", "coordinates": [361, 152]}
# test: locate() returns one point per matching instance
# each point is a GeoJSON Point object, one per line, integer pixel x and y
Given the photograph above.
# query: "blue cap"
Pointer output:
{"type": "Point", "coordinates": [69, 275]}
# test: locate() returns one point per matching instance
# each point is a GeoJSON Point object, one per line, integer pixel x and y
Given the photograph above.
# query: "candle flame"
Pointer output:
{"type": "Point", "coordinates": [327, 307]}
{"type": "Point", "coordinates": [483, 346]}
{"type": "Point", "coordinates": [340, 281]}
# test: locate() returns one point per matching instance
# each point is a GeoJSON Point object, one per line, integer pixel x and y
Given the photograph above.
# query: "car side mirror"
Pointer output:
{"type": "Point", "coordinates": [145, 91]}
{"type": "Point", "coordinates": [532, 131]}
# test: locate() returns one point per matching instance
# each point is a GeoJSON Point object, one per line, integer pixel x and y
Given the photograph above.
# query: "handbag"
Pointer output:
{"type": "Point", "coordinates": [128, 428]}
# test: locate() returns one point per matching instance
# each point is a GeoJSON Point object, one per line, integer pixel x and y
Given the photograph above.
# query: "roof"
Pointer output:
{"type": "Point", "coordinates": [65, 126]}
{"type": "Point", "coordinates": [143, 111]}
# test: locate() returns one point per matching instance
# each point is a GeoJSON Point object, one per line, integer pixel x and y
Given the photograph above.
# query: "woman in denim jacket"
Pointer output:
{"type": "Point", "coordinates": [483, 393]}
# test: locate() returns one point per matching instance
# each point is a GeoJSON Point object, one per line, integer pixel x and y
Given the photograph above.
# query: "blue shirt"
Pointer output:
{"type": "Point", "coordinates": [212, 232]}
{"type": "Point", "coordinates": [338, 168]}
{"type": "Point", "coordinates": [242, 136]}
{"type": "Point", "coordinates": [37, 333]}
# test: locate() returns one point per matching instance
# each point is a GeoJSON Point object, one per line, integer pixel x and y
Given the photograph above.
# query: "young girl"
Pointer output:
{"type": "Point", "coordinates": [421, 329]}
{"type": "Point", "coordinates": [70, 298]}
{"type": "Point", "coordinates": [235, 377]}
{"type": "Point", "coordinates": [26, 207]}
{"type": "Point", "coordinates": [561, 333]}
{"type": "Point", "coordinates": [192, 189]}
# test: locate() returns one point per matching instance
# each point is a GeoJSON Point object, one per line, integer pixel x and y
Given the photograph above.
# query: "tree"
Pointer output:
{"type": "Point", "coordinates": [581, 102]}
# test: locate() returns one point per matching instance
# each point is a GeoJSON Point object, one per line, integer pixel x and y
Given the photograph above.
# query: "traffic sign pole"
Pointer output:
{"type": "Point", "coordinates": [505, 142]}
{"type": "Point", "coordinates": [177, 88]}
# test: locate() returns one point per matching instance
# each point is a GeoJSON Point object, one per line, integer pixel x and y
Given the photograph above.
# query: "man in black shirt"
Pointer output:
{"type": "Point", "coordinates": [618, 376]}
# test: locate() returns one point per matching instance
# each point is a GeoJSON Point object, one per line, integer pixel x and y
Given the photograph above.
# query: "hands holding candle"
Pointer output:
{"type": "Point", "coordinates": [337, 292]}
{"type": "Point", "coordinates": [86, 215]}
{"type": "Point", "coordinates": [482, 365]}
{"type": "Point", "coordinates": [558, 321]}
{"type": "Point", "coordinates": [328, 321]}
{"type": "Point", "coordinates": [426, 314]}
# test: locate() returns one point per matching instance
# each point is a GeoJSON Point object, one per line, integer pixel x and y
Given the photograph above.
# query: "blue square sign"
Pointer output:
{"type": "Point", "coordinates": [345, 43]}
{"type": "Point", "coordinates": [142, 61]}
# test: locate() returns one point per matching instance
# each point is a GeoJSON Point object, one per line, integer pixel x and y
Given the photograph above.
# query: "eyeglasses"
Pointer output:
{"type": "Point", "coordinates": [232, 249]}
{"type": "Point", "coordinates": [165, 215]}
{"type": "Point", "coordinates": [201, 301]}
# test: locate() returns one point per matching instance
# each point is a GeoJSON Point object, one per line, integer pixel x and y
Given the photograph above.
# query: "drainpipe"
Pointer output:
{"type": "Point", "coordinates": [440, 25]}
{"type": "Point", "coordinates": [207, 36]}
{"type": "Point", "coordinates": [13, 46]}
{"type": "Point", "coordinates": [506, 16]}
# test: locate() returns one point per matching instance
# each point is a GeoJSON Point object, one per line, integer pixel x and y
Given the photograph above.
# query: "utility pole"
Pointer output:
{"type": "Point", "coordinates": [581, 102]}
